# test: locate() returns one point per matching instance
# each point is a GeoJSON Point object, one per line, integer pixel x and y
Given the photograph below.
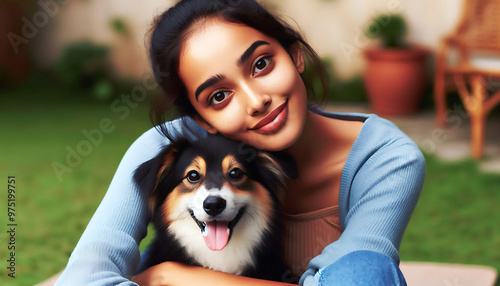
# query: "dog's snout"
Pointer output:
{"type": "Point", "coordinates": [214, 205]}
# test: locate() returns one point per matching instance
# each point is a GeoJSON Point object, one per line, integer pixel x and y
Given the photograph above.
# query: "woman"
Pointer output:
{"type": "Point", "coordinates": [235, 69]}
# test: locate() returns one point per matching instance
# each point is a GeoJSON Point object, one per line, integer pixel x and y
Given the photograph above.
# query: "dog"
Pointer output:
{"type": "Point", "coordinates": [214, 204]}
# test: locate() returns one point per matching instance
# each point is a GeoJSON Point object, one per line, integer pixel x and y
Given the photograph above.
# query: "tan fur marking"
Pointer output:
{"type": "Point", "coordinates": [262, 195]}
{"type": "Point", "coordinates": [230, 163]}
{"type": "Point", "coordinates": [179, 191]}
{"type": "Point", "coordinates": [166, 163]}
{"type": "Point", "coordinates": [198, 165]}
{"type": "Point", "coordinates": [172, 201]}
{"type": "Point", "coordinates": [270, 163]}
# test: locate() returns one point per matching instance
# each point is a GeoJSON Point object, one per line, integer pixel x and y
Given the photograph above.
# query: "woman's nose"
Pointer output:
{"type": "Point", "coordinates": [257, 103]}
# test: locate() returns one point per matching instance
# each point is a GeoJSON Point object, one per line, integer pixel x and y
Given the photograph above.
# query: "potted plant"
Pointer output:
{"type": "Point", "coordinates": [395, 74]}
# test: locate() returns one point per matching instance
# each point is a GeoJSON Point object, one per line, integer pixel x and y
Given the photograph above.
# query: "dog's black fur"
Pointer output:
{"type": "Point", "coordinates": [162, 174]}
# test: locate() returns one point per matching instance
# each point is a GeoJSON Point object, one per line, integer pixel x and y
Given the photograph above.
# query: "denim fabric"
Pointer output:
{"type": "Point", "coordinates": [362, 268]}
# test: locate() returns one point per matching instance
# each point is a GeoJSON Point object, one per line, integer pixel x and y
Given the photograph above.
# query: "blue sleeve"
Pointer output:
{"type": "Point", "coordinates": [376, 205]}
{"type": "Point", "coordinates": [107, 252]}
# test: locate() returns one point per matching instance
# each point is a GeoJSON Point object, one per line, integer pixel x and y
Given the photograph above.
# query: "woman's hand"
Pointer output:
{"type": "Point", "coordinates": [157, 275]}
{"type": "Point", "coordinates": [177, 274]}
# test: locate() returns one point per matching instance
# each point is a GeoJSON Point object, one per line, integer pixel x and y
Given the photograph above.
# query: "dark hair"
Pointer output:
{"type": "Point", "coordinates": [171, 28]}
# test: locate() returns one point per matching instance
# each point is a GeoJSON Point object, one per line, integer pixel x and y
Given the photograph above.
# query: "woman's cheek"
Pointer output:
{"type": "Point", "coordinates": [280, 81]}
{"type": "Point", "coordinates": [231, 120]}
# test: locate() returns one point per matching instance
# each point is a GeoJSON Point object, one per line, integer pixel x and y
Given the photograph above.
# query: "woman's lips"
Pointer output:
{"type": "Point", "coordinates": [273, 121]}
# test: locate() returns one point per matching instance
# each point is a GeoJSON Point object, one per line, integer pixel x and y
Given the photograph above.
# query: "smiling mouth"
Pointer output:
{"type": "Point", "coordinates": [217, 232]}
{"type": "Point", "coordinates": [273, 121]}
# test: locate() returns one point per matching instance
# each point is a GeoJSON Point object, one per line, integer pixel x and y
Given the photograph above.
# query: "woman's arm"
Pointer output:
{"type": "Point", "coordinates": [107, 252]}
{"type": "Point", "coordinates": [177, 274]}
{"type": "Point", "coordinates": [378, 194]}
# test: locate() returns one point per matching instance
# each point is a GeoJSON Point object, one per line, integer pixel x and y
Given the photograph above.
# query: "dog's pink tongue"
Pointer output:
{"type": "Point", "coordinates": [216, 235]}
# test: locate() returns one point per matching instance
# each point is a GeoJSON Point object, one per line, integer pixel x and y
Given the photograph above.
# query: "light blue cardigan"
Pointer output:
{"type": "Point", "coordinates": [379, 188]}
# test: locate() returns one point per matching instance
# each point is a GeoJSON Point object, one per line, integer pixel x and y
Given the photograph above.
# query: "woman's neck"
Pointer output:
{"type": "Point", "coordinates": [320, 154]}
{"type": "Point", "coordinates": [314, 138]}
{"type": "Point", "coordinates": [324, 136]}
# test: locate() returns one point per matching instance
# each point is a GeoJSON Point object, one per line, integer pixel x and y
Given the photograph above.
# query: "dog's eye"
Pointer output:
{"type": "Point", "coordinates": [235, 174]}
{"type": "Point", "coordinates": [193, 176]}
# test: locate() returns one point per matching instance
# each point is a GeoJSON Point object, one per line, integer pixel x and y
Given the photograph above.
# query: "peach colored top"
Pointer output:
{"type": "Point", "coordinates": [306, 235]}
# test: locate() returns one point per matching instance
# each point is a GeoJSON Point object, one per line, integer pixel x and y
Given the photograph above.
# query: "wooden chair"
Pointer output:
{"type": "Point", "coordinates": [477, 33]}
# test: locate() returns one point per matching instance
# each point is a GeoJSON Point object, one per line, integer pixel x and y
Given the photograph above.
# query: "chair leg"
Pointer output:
{"type": "Point", "coordinates": [440, 99]}
{"type": "Point", "coordinates": [477, 116]}
{"type": "Point", "coordinates": [477, 135]}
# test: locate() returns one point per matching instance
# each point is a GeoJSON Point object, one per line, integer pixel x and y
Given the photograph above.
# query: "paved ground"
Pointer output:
{"type": "Point", "coordinates": [450, 143]}
{"type": "Point", "coordinates": [444, 274]}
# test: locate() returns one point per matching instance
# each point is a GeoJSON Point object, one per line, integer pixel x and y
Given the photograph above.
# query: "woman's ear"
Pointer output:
{"type": "Point", "coordinates": [198, 119]}
{"type": "Point", "coordinates": [297, 57]}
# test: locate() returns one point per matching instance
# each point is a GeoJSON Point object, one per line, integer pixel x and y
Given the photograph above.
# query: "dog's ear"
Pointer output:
{"type": "Point", "coordinates": [148, 174]}
{"type": "Point", "coordinates": [275, 168]}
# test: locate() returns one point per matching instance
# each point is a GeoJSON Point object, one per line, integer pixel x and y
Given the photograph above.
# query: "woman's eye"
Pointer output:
{"type": "Point", "coordinates": [235, 174]}
{"type": "Point", "coordinates": [261, 64]}
{"type": "Point", "coordinates": [193, 177]}
{"type": "Point", "coordinates": [219, 97]}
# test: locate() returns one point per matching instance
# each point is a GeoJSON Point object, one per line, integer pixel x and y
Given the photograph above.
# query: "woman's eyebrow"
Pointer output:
{"type": "Point", "coordinates": [209, 82]}
{"type": "Point", "coordinates": [246, 55]}
{"type": "Point", "coordinates": [217, 78]}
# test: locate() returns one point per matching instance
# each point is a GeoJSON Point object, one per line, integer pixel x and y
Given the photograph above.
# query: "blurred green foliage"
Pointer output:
{"type": "Point", "coordinates": [86, 66]}
{"type": "Point", "coordinates": [349, 90]}
{"type": "Point", "coordinates": [390, 29]}
{"type": "Point", "coordinates": [119, 26]}
{"type": "Point", "coordinates": [82, 64]}
{"type": "Point", "coordinates": [337, 89]}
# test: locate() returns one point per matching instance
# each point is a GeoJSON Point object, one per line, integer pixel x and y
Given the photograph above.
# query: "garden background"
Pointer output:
{"type": "Point", "coordinates": [75, 87]}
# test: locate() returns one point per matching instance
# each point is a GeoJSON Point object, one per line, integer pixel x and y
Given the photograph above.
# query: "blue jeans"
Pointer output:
{"type": "Point", "coordinates": [361, 268]}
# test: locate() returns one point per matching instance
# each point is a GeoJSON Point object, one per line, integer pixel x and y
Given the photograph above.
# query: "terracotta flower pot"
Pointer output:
{"type": "Point", "coordinates": [395, 79]}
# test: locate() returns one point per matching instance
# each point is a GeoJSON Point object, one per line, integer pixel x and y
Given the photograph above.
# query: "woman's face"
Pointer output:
{"type": "Point", "coordinates": [244, 84]}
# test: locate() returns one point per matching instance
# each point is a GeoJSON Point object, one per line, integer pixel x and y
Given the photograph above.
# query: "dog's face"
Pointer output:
{"type": "Point", "coordinates": [212, 191]}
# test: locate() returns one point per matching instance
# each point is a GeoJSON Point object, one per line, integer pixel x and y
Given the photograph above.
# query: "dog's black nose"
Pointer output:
{"type": "Point", "coordinates": [214, 205]}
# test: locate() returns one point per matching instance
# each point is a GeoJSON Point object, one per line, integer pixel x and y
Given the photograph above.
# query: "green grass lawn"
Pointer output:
{"type": "Point", "coordinates": [51, 212]}
{"type": "Point", "coordinates": [456, 219]}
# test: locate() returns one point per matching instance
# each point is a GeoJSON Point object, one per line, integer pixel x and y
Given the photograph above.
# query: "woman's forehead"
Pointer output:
{"type": "Point", "coordinates": [215, 48]}
{"type": "Point", "coordinates": [219, 38]}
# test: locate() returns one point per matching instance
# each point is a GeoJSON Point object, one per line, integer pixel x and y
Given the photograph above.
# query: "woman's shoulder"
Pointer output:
{"type": "Point", "coordinates": [161, 135]}
{"type": "Point", "coordinates": [379, 142]}
{"type": "Point", "coordinates": [382, 160]}
{"type": "Point", "coordinates": [381, 136]}
{"type": "Point", "coordinates": [376, 135]}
